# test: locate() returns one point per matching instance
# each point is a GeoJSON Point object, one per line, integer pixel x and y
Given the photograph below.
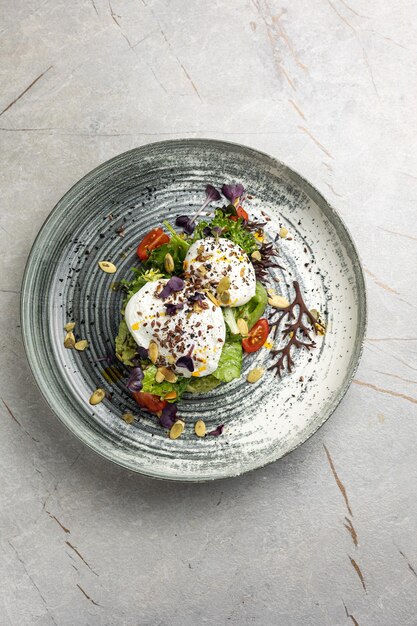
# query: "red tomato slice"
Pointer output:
{"type": "Point", "coordinates": [240, 212]}
{"type": "Point", "coordinates": [149, 401]}
{"type": "Point", "coordinates": [152, 240]}
{"type": "Point", "coordinates": [257, 336]}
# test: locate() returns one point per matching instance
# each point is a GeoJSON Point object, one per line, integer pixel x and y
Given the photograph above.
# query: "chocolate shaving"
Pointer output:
{"type": "Point", "coordinates": [297, 333]}
{"type": "Point", "coordinates": [217, 431]}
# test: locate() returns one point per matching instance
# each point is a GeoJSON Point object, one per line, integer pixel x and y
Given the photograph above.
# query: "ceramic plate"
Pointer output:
{"type": "Point", "coordinates": [62, 282]}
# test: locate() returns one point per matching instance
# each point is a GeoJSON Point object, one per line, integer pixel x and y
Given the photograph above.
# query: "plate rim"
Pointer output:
{"type": "Point", "coordinates": [294, 175]}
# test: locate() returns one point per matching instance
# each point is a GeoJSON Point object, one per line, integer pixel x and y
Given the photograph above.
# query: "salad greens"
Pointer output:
{"type": "Point", "coordinates": [125, 345]}
{"type": "Point", "coordinates": [177, 248]}
{"type": "Point", "coordinates": [149, 384]}
{"type": "Point", "coordinates": [233, 230]}
{"type": "Point", "coordinates": [141, 278]}
{"type": "Point", "coordinates": [202, 385]}
{"type": "Point", "coordinates": [253, 310]}
{"type": "Point", "coordinates": [229, 368]}
{"type": "Point", "coordinates": [229, 318]}
{"type": "Point", "coordinates": [226, 222]}
{"type": "Point", "coordinates": [230, 363]}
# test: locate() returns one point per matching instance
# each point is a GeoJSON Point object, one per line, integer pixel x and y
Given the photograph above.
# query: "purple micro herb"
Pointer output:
{"type": "Point", "coordinates": [185, 222]}
{"type": "Point", "coordinates": [217, 431]}
{"type": "Point", "coordinates": [186, 362]}
{"type": "Point", "coordinates": [233, 192]}
{"type": "Point", "coordinates": [168, 415]}
{"type": "Point", "coordinates": [212, 194]}
{"type": "Point", "coordinates": [207, 231]}
{"type": "Point", "coordinates": [174, 284]}
{"type": "Point", "coordinates": [135, 380]}
{"type": "Point", "coordinates": [109, 359]}
{"type": "Point", "coordinates": [143, 353]}
{"type": "Point", "coordinates": [196, 297]}
{"type": "Point", "coordinates": [188, 223]}
{"type": "Point", "coordinates": [171, 308]}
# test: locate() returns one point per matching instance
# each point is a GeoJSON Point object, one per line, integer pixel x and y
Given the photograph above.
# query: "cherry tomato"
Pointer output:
{"type": "Point", "coordinates": [240, 212]}
{"type": "Point", "coordinates": [152, 240]}
{"type": "Point", "coordinates": [257, 336]}
{"type": "Point", "coordinates": [149, 401]}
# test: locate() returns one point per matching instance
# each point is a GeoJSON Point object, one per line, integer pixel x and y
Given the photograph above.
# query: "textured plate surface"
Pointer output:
{"type": "Point", "coordinates": [139, 189]}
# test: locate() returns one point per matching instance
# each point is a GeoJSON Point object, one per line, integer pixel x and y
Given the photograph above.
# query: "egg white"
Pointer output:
{"type": "Point", "coordinates": [211, 259]}
{"type": "Point", "coordinates": [200, 334]}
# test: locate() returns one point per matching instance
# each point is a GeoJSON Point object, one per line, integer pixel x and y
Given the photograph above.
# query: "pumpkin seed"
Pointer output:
{"type": "Point", "coordinates": [107, 267]}
{"type": "Point", "coordinates": [202, 270]}
{"type": "Point", "coordinates": [256, 256]}
{"type": "Point", "coordinates": [97, 396]}
{"type": "Point", "coordinates": [159, 377]}
{"type": "Point", "coordinates": [69, 340]}
{"type": "Point", "coordinates": [320, 327]}
{"type": "Point", "coordinates": [278, 302]}
{"type": "Point", "coordinates": [243, 327]}
{"type": "Point", "coordinates": [225, 297]}
{"type": "Point", "coordinates": [223, 285]}
{"type": "Point", "coordinates": [169, 263]}
{"type": "Point", "coordinates": [212, 298]}
{"type": "Point", "coordinates": [128, 418]}
{"type": "Point", "coordinates": [200, 428]}
{"type": "Point", "coordinates": [283, 232]}
{"type": "Point", "coordinates": [70, 326]}
{"type": "Point", "coordinates": [168, 374]}
{"type": "Point", "coordinates": [177, 429]}
{"type": "Point", "coordinates": [81, 345]}
{"type": "Point", "coordinates": [153, 351]}
{"type": "Point", "coordinates": [255, 374]}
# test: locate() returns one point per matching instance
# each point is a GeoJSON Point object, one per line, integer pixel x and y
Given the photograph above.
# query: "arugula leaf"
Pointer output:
{"type": "Point", "coordinates": [125, 345]}
{"type": "Point", "coordinates": [235, 231]}
{"type": "Point", "coordinates": [177, 248]}
{"type": "Point", "coordinates": [230, 363]}
{"type": "Point", "coordinates": [150, 385]}
{"type": "Point", "coordinates": [202, 384]}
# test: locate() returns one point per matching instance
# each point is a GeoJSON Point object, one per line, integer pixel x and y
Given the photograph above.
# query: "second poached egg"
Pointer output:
{"type": "Point", "coordinates": [211, 260]}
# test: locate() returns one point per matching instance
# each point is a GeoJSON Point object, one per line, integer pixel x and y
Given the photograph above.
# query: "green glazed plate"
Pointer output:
{"type": "Point", "coordinates": [135, 192]}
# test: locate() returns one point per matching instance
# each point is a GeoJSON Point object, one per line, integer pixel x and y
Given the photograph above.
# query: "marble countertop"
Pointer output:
{"type": "Point", "coordinates": [327, 536]}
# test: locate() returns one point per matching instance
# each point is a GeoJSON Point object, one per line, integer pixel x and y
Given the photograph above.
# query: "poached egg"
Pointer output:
{"type": "Point", "coordinates": [214, 260]}
{"type": "Point", "coordinates": [184, 324]}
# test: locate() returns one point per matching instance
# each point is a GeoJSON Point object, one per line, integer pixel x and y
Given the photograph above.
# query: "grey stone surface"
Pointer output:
{"type": "Point", "coordinates": [330, 89]}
